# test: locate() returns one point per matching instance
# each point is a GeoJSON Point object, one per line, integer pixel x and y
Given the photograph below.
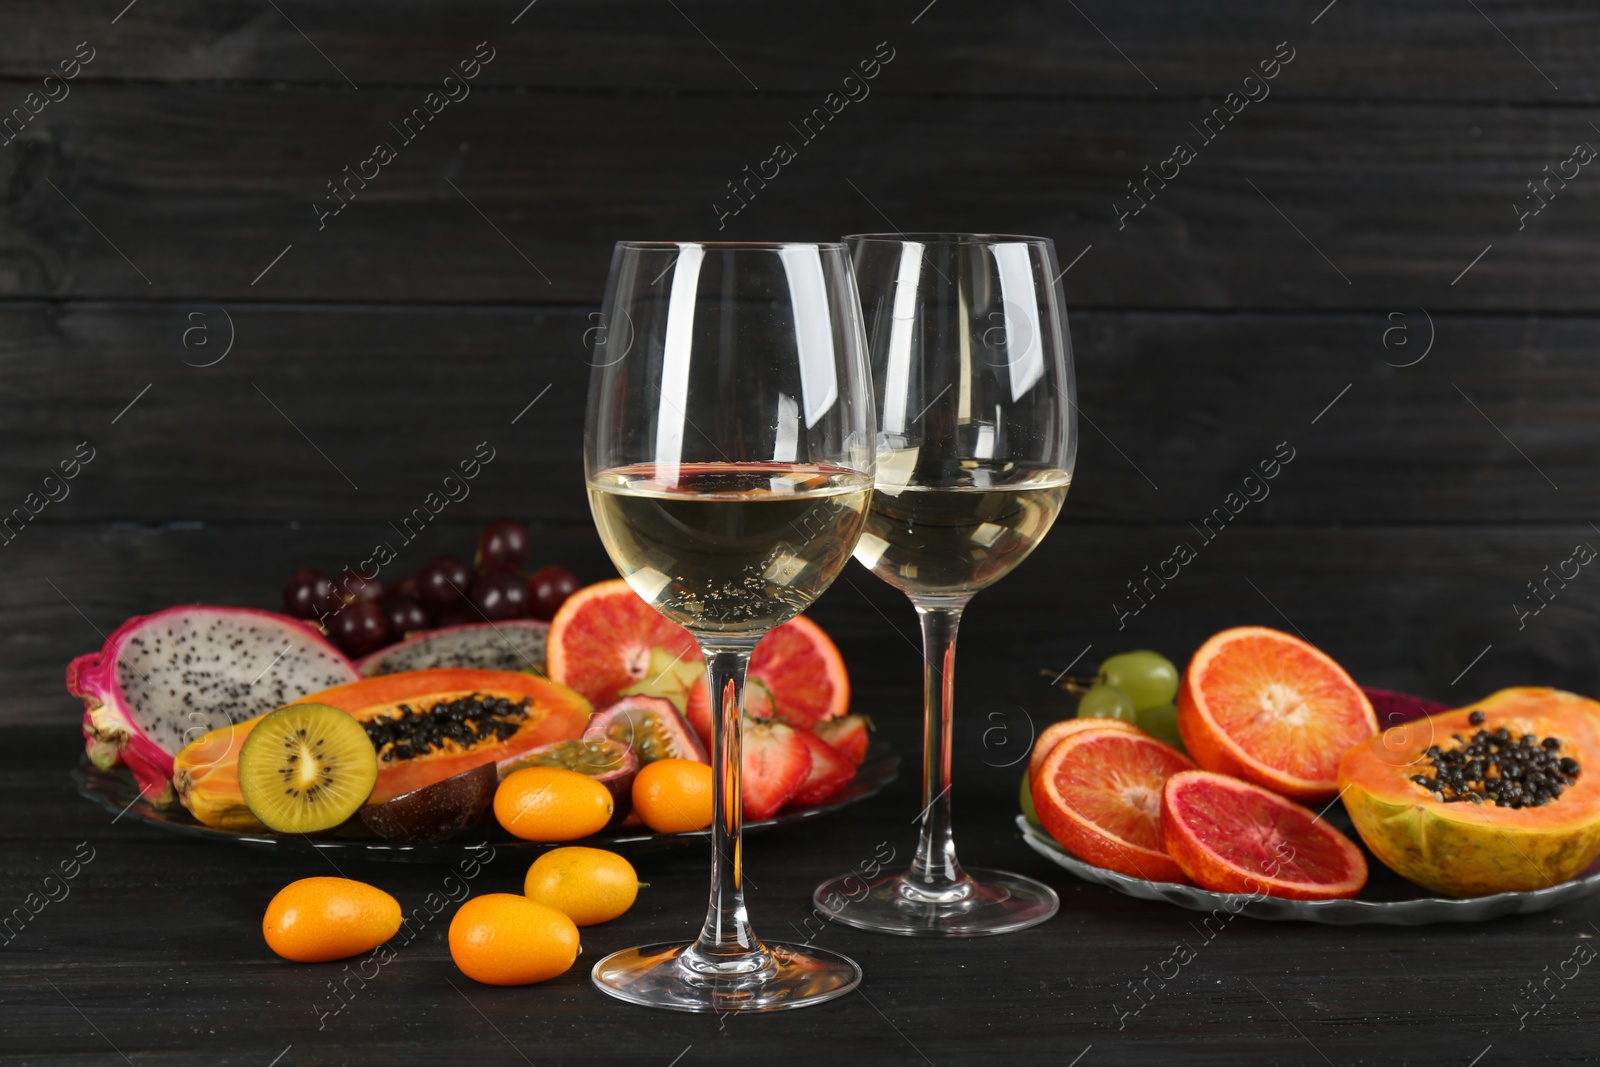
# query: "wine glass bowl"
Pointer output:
{"type": "Point", "coordinates": [972, 373]}
{"type": "Point", "coordinates": [729, 456]}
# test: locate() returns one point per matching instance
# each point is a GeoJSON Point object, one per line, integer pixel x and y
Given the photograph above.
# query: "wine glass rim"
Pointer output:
{"type": "Point", "coordinates": [949, 237]}
{"type": "Point", "coordinates": [732, 246]}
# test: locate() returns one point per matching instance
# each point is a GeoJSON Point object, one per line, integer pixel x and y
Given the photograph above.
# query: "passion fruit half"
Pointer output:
{"type": "Point", "coordinates": [651, 726]}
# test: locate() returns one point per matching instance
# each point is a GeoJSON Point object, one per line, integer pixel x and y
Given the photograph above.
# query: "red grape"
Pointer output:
{"type": "Point", "coordinates": [499, 595]}
{"type": "Point", "coordinates": [355, 588]}
{"type": "Point", "coordinates": [309, 593]}
{"type": "Point", "coordinates": [407, 586]}
{"type": "Point", "coordinates": [406, 615]}
{"type": "Point", "coordinates": [548, 589]}
{"type": "Point", "coordinates": [444, 581]}
{"type": "Point", "coordinates": [360, 628]}
{"type": "Point", "coordinates": [503, 546]}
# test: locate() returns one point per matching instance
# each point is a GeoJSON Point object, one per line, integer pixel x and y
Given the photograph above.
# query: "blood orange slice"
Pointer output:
{"type": "Point", "coordinates": [796, 674]}
{"type": "Point", "coordinates": [1272, 709]}
{"type": "Point", "coordinates": [604, 639]}
{"type": "Point", "coordinates": [1234, 837]}
{"type": "Point", "coordinates": [607, 642]}
{"type": "Point", "coordinates": [1053, 735]}
{"type": "Point", "coordinates": [1098, 792]}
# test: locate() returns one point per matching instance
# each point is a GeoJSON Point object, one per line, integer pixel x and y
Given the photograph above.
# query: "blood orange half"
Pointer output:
{"type": "Point", "coordinates": [1234, 837]}
{"type": "Point", "coordinates": [604, 638]}
{"type": "Point", "coordinates": [1272, 709]}
{"type": "Point", "coordinates": [607, 642]}
{"type": "Point", "coordinates": [1098, 792]}
{"type": "Point", "coordinates": [1056, 732]}
{"type": "Point", "coordinates": [796, 674]}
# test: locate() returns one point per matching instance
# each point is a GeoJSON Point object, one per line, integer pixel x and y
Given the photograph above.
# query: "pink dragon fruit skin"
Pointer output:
{"type": "Point", "coordinates": [164, 679]}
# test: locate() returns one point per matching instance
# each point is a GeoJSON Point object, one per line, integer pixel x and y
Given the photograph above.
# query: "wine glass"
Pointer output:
{"type": "Point", "coordinates": [729, 453]}
{"type": "Point", "coordinates": [972, 369]}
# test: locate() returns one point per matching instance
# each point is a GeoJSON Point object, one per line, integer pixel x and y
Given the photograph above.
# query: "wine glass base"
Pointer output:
{"type": "Point", "coordinates": [985, 902]}
{"type": "Point", "coordinates": [654, 976]}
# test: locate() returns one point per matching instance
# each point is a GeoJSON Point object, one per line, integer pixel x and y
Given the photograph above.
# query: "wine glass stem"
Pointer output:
{"type": "Point", "coordinates": [727, 945]}
{"type": "Point", "coordinates": [935, 866]}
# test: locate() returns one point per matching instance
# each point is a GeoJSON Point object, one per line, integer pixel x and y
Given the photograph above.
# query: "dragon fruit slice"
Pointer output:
{"type": "Point", "coordinates": [164, 679]}
{"type": "Point", "coordinates": [511, 645]}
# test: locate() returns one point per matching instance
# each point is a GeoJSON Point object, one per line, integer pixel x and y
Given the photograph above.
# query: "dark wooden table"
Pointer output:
{"type": "Point", "coordinates": [155, 954]}
{"type": "Point", "coordinates": [1347, 267]}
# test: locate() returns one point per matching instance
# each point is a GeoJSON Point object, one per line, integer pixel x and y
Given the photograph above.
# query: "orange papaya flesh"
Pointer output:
{"type": "Point", "coordinates": [425, 725]}
{"type": "Point", "coordinates": [1463, 849]}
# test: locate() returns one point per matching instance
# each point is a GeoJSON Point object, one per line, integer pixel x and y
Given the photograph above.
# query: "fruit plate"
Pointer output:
{"type": "Point", "coordinates": [118, 793]}
{"type": "Point", "coordinates": [1387, 898]}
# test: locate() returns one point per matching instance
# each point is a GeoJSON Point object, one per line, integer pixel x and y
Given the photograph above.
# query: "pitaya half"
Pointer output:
{"type": "Point", "coordinates": [509, 645]}
{"type": "Point", "coordinates": [165, 679]}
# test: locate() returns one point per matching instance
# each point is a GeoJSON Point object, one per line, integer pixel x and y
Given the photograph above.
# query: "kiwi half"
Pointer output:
{"type": "Point", "coordinates": [306, 767]}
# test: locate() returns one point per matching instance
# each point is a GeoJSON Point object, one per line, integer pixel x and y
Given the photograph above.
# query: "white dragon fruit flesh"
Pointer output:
{"type": "Point", "coordinates": [508, 645]}
{"type": "Point", "coordinates": [163, 680]}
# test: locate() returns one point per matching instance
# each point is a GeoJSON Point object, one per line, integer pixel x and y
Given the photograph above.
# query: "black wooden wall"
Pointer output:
{"type": "Point", "coordinates": [1344, 265]}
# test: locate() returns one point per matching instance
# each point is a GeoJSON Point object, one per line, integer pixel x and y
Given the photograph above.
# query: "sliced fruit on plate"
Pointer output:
{"type": "Point", "coordinates": [607, 643]}
{"type": "Point", "coordinates": [1098, 793]}
{"type": "Point", "coordinates": [1272, 709]}
{"type": "Point", "coordinates": [651, 726]}
{"type": "Point", "coordinates": [306, 768]}
{"type": "Point", "coordinates": [1497, 796]}
{"type": "Point", "coordinates": [1053, 734]}
{"type": "Point", "coordinates": [435, 812]}
{"type": "Point", "coordinates": [1234, 837]}
{"type": "Point", "coordinates": [1048, 738]}
{"type": "Point", "coordinates": [425, 725]}
{"type": "Point", "coordinates": [777, 762]}
{"type": "Point", "coordinates": [165, 679]}
{"type": "Point", "coordinates": [673, 676]}
{"type": "Point", "coordinates": [849, 734]}
{"type": "Point", "coordinates": [507, 645]}
{"type": "Point", "coordinates": [796, 674]}
{"type": "Point", "coordinates": [602, 640]}
{"type": "Point", "coordinates": [830, 772]}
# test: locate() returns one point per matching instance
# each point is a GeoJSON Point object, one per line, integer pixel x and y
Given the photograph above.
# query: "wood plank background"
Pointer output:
{"type": "Point", "coordinates": [1342, 268]}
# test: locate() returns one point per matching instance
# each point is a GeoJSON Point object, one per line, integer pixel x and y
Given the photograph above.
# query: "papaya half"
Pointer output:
{"type": "Point", "coordinates": [1535, 821]}
{"type": "Point", "coordinates": [425, 725]}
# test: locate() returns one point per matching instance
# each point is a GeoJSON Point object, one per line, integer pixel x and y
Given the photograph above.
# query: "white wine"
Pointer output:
{"type": "Point", "coordinates": [732, 548]}
{"type": "Point", "coordinates": [954, 540]}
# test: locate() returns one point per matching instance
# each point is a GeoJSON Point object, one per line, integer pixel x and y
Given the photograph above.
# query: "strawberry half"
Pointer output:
{"type": "Point", "coordinates": [847, 734]}
{"type": "Point", "coordinates": [776, 762]}
{"type": "Point", "coordinates": [830, 772]}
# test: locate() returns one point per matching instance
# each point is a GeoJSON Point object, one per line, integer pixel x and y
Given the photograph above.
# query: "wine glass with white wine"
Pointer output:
{"type": "Point", "coordinates": [729, 453]}
{"type": "Point", "coordinates": [972, 370]}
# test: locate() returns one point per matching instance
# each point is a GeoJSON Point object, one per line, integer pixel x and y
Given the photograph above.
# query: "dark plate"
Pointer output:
{"type": "Point", "coordinates": [1387, 898]}
{"type": "Point", "coordinates": [118, 793]}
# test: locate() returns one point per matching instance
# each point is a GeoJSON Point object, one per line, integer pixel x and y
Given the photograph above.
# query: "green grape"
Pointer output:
{"type": "Point", "coordinates": [1026, 799]}
{"type": "Point", "coordinates": [1162, 724]}
{"type": "Point", "coordinates": [1106, 702]}
{"type": "Point", "coordinates": [1149, 678]}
